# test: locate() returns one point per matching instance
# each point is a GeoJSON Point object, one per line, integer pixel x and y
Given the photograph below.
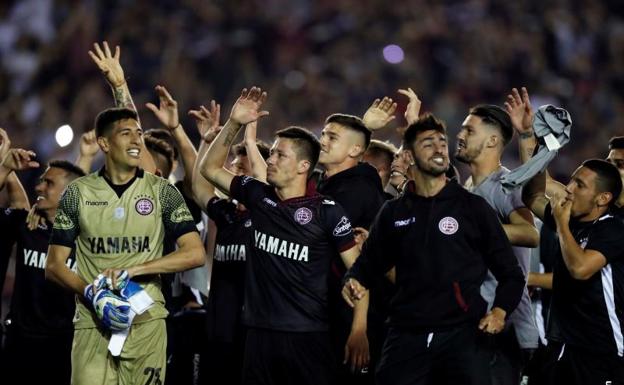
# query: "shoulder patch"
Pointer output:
{"type": "Point", "coordinates": [342, 228]}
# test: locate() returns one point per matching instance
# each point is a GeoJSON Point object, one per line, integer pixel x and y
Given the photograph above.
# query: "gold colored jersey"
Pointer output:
{"type": "Point", "coordinates": [118, 227]}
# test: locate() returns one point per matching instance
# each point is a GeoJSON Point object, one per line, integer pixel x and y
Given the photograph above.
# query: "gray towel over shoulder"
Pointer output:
{"type": "Point", "coordinates": [548, 120]}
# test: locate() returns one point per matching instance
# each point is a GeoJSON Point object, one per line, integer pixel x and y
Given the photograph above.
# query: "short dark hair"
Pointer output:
{"type": "Point", "coordinates": [163, 134]}
{"type": "Point", "coordinates": [384, 149]}
{"type": "Point", "coordinates": [307, 144]}
{"type": "Point", "coordinates": [263, 147]}
{"type": "Point", "coordinates": [105, 119]}
{"type": "Point", "coordinates": [608, 178]}
{"type": "Point", "coordinates": [352, 122]}
{"type": "Point", "coordinates": [616, 143]}
{"type": "Point", "coordinates": [425, 122]}
{"type": "Point", "coordinates": [495, 116]}
{"type": "Point", "coordinates": [71, 169]}
{"type": "Point", "coordinates": [161, 147]}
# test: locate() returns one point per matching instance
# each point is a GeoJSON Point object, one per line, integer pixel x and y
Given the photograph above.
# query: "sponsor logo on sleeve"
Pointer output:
{"type": "Point", "coordinates": [248, 223]}
{"type": "Point", "coordinates": [448, 225]}
{"type": "Point", "coordinates": [343, 227]}
{"type": "Point", "coordinates": [144, 206]}
{"type": "Point", "coordinates": [269, 202]}
{"type": "Point", "coordinates": [303, 215]}
{"type": "Point", "coordinates": [329, 202]}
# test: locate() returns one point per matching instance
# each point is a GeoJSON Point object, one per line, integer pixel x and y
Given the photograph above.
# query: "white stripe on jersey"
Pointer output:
{"type": "Point", "coordinates": [607, 289]}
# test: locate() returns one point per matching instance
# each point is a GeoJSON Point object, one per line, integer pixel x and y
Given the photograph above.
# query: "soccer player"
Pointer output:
{"type": "Point", "coordinates": [480, 144]}
{"type": "Point", "coordinates": [117, 218]}
{"type": "Point", "coordinates": [295, 237]}
{"type": "Point", "coordinates": [588, 272]}
{"type": "Point", "coordinates": [39, 324]}
{"type": "Point", "coordinates": [441, 240]}
{"type": "Point", "coordinates": [229, 251]}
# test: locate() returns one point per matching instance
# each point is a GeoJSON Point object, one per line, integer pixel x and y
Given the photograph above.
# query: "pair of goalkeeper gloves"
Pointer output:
{"type": "Point", "coordinates": [110, 303]}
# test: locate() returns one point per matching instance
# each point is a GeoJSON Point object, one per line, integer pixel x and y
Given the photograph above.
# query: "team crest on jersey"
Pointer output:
{"type": "Point", "coordinates": [144, 206]}
{"type": "Point", "coordinates": [303, 215]}
{"type": "Point", "coordinates": [248, 223]}
{"type": "Point", "coordinates": [583, 243]}
{"type": "Point", "coordinates": [448, 225]}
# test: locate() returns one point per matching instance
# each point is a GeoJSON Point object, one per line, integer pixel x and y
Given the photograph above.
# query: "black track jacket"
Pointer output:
{"type": "Point", "coordinates": [441, 247]}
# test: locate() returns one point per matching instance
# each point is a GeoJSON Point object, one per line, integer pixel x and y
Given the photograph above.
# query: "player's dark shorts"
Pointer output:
{"type": "Point", "coordinates": [457, 356]}
{"type": "Point", "coordinates": [36, 359]}
{"type": "Point", "coordinates": [285, 358]}
{"type": "Point", "coordinates": [576, 366]}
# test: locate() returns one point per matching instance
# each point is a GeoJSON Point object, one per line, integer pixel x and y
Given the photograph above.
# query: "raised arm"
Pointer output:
{"type": "Point", "coordinates": [534, 195]}
{"type": "Point", "coordinates": [110, 66]}
{"type": "Point", "coordinates": [379, 114]}
{"type": "Point", "coordinates": [16, 159]}
{"type": "Point", "coordinates": [207, 122]}
{"type": "Point", "coordinates": [167, 114]}
{"type": "Point", "coordinates": [244, 111]}
{"type": "Point", "coordinates": [258, 165]}
{"type": "Point", "coordinates": [88, 150]}
{"type": "Point", "coordinates": [412, 111]}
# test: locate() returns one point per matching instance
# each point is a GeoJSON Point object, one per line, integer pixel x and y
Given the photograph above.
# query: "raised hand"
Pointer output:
{"type": "Point", "coordinates": [207, 121]}
{"type": "Point", "coordinates": [413, 106]}
{"type": "Point", "coordinates": [88, 144]}
{"type": "Point", "coordinates": [379, 114]}
{"type": "Point", "coordinates": [518, 107]}
{"type": "Point", "coordinates": [245, 110]}
{"type": "Point", "coordinates": [17, 159]}
{"type": "Point", "coordinates": [167, 111]}
{"type": "Point", "coordinates": [108, 64]}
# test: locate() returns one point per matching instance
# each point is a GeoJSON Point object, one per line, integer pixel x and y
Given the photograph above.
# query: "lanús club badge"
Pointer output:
{"type": "Point", "coordinates": [448, 225]}
{"type": "Point", "coordinates": [144, 206]}
{"type": "Point", "coordinates": [303, 215]}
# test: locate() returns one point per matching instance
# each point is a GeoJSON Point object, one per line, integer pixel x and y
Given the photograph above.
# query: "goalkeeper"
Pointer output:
{"type": "Point", "coordinates": [117, 219]}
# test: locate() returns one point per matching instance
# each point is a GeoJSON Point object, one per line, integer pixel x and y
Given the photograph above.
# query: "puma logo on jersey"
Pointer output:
{"type": "Point", "coordinates": [116, 245]}
{"type": "Point", "coordinates": [280, 247]}
{"type": "Point", "coordinates": [227, 253]}
{"type": "Point", "coordinates": [95, 203]}
{"type": "Point", "coordinates": [38, 259]}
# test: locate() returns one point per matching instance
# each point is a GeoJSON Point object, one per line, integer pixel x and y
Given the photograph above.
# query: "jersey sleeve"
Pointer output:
{"type": "Point", "coordinates": [175, 214]}
{"type": "Point", "coordinates": [338, 225]}
{"type": "Point", "coordinates": [247, 190]}
{"type": "Point", "coordinates": [607, 238]}
{"type": "Point", "coordinates": [66, 222]}
{"type": "Point", "coordinates": [508, 203]}
{"type": "Point", "coordinates": [217, 210]}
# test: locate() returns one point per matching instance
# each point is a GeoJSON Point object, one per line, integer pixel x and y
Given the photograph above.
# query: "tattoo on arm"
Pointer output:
{"type": "Point", "coordinates": [123, 98]}
{"type": "Point", "coordinates": [231, 134]}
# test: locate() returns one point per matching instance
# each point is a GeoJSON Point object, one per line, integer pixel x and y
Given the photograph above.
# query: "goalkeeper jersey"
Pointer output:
{"type": "Point", "coordinates": [119, 226]}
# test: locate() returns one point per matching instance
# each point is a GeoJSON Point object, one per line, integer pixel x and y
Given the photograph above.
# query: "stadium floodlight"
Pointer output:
{"type": "Point", "coordinates": [393, 54]}
{"type": "Point", "coordinates": [64, 135]}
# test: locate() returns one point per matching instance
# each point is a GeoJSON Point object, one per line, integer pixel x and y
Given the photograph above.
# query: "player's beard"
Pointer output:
{"type": "Point", "coordinates": [468, 154]}
{"type": "Point", "coordinates": [430, 168]}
